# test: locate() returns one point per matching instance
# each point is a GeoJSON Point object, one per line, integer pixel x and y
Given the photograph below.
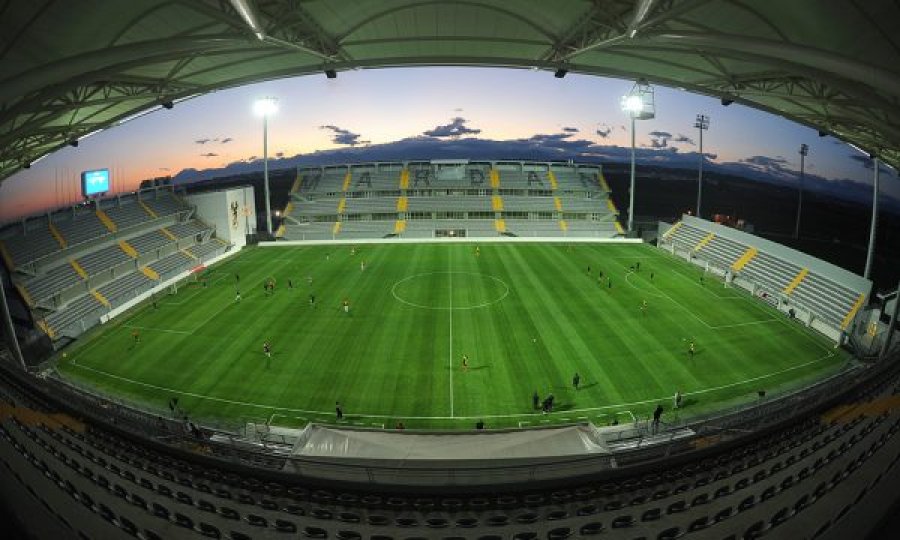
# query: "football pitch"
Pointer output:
{"type": "Point", "coordinates": [527, 317]}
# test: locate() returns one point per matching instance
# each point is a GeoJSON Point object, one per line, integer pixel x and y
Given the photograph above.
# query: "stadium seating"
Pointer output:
{"type": "Point", "coordinates": [828, 301]}
{"type": "Point", "coordinates": [92, 260]}
{"type": "Point", "coordinates": [103, 259]}
{"type": "Point", "coordinates": [460, 196]}
{"type": "Point", "coordinates": [56, 279]}
{"type": "Point", "coordinates": [149, 242]}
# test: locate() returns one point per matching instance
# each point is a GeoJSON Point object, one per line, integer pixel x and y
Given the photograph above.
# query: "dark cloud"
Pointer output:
{"type": "Point", "coordinates": [683, 139]}
{"type": "Point", "coordinates": [660, 134]}
{"type": "Point", "coordinates": [252, 158]}
{"type": "Point", "coordinates": [226, 140]}
{"type": "Point", "coordinates": [456, 128]}
{"type": "Point", "coordinates": [570, 129]}
{"type": "Point", "coordinates": [279, 154]}
{"type": "Point", "coordinates": [201, 141]}
{"type": "Point", "coordinates": [209, 154]}
{"type": "Point", "coordinates": [342, 136]}
{"type": "Point", "coordinates": [604, 130]}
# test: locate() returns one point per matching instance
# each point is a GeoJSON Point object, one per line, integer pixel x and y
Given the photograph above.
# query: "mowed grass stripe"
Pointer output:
{"type": "Point", "coordinates": [393, 360]}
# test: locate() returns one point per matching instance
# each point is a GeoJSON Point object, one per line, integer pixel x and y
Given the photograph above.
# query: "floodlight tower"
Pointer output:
{"type": "Point", "coordinates": [265, 107]}
{"type": "Point", "coordinates": [640, 105]}
{"type": "Point", "coordinates": [804, 151]}
{"type": "Point", "coordinates": [702, 124]}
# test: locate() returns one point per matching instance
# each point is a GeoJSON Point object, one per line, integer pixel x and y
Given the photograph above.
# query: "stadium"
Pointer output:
{"type": "Point", "coordinates": [471, 348]}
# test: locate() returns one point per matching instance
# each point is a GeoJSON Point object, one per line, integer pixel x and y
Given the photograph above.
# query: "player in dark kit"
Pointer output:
{"type": "Point", "coordinates": [338, 410]}
{"type": "Point", "coordinates": [576, 380]}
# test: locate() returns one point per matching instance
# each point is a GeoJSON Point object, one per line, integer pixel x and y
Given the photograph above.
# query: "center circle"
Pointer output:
{"type": "Point", "coordinates": [450, 290]}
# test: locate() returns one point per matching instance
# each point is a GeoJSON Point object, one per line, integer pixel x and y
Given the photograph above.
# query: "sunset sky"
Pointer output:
{"type": "Point", "coordinates": [380, 106]}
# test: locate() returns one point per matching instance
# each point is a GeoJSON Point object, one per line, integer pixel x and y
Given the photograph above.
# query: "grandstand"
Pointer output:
{"type": "Point", "coordinates": [469, 198]}
{"type": "Point", "coordinates": [74, 265]}
{"type": "Point", "coordinates": [826, 297]}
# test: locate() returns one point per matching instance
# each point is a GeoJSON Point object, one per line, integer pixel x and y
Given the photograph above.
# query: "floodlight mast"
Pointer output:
{"type": "Point", "coordinates": [639, 105]}
{"type": "Point", "coordinates": [702, 124]}
{"type": "Point", "coordinates": [873, 224]}
{"type": "Point", "coordinates": [265, 107]}
{"type": "Point", "coordinates": [804, 151]}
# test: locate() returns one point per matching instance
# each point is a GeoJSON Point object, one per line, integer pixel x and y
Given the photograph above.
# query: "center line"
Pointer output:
{"type": "Point", "coordinates": [450, 273]}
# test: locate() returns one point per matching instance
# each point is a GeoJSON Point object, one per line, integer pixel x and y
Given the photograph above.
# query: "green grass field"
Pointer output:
{"type": "Point", "coordinates": [528, 316]}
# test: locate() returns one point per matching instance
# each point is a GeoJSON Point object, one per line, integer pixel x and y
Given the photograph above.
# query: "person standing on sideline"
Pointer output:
{"type": "Point", "coordinates": [338, 410]}
{"type": "Point", "coordinates": [657, 414]}
{"type": "Point", "coordinates": [576, 380]}
{"type": "Point", "coordinates": [136, 335]}
{"type": "Point", "coordinates": [535, 400]}
{"type": "Point", "coordinates": [677, 399]}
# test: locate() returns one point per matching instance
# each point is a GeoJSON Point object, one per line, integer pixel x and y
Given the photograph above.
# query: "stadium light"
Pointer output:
{"type": "Point", "coordinates": [266, 107]}
{"type": "Point", "coordinates": [804, 151]}
{"type": "Point", "coordinates": [702, 124]}
{"type": "Point", "coordinates": [640, 105]}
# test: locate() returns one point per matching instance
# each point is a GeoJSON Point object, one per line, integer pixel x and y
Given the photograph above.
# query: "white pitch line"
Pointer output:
{"type": "Point", "coordinates": [451, 336]}
{"type": "Point", "coordinates": [151, 329]}
{"type": "Point", "coordinates": [524, 415]}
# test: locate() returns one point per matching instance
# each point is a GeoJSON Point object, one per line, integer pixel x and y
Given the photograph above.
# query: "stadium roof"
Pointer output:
{"type": "Point", "coordinates": [70, 68]}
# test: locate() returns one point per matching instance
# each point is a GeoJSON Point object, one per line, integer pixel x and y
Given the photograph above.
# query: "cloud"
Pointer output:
{"type": "Point", "coordinates": [660, 134]}
{"type": "Point", "coordinates": [226, 140]}
{"type": "Point", "coordinates": [165, 169]}
{"type": "Point", "coordinates": [456, 128]}
{"type": "Point", "coordinates": [342, 136]}
{"type": "Point", "coordinates": [201, 141]}
{"type": "Point", "coordinates": [252, 158]}
{"type": "Point", "coordinates": [570, 129]}
{"type": "Point", "coordinates": [604, 130]}
{"type": "Point", "coordinates": [458, 109]}
{"type": "Point", "coordinates": [209, 154]}
{"type": "Point", "coordinates": [683, 139]}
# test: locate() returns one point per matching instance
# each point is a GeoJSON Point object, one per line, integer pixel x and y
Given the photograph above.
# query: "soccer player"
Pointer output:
{"type": "Point", "coordinates": [609, 283]}
{"type": "Point", "coordinates": [346, 304]}
{"type": "Point", "coordinates": [576, 380]}
{"type": "Point", "coordinates": [589, 269]}
{"type": "Point", "coordinates": [290, 284]}
{"type": "Point", "coordinates": [136, 335]}
{"type": "Point", "coordinates": [644, 307]}
{"type": "Point", "coordinates": [677, 399]}
{"type": "Point", "coordinates": [477, 251]}
{"type": "Point", "coordinates": [362, 265]}
{"type": "Point", "coordinates": [651, 276]}
{"type": "Point", "coordinates": [701, 279]}
{"type": "Point", "coordinates": [237, 295]}
{"type": "Point", "coordinates": [692, 348]}
{"type": "Point", "coordinates": [657, 414]}
{"type": "Point", "coordinates": [267, 349]}
{"type": "Point", "coordinates": [637, 266]}
{"type": "Point", "coordinates": [465, 362]}
{"type": "Point", "coordinates": [338, 410]}
{"type": "Point", "coordinates": [237, 277]}
{"type": "Point", "coordinates": [312, 300]}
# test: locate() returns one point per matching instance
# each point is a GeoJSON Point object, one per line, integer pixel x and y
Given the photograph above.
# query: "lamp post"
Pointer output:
{"type": "Point", "coordinates": [702, 124]}
{"type": "Point", "coordinates": [640, 105]}
{"type": "Point", "coordinates": [265, 107]}
{"type": "Point", "coordinates": [804, 151]}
